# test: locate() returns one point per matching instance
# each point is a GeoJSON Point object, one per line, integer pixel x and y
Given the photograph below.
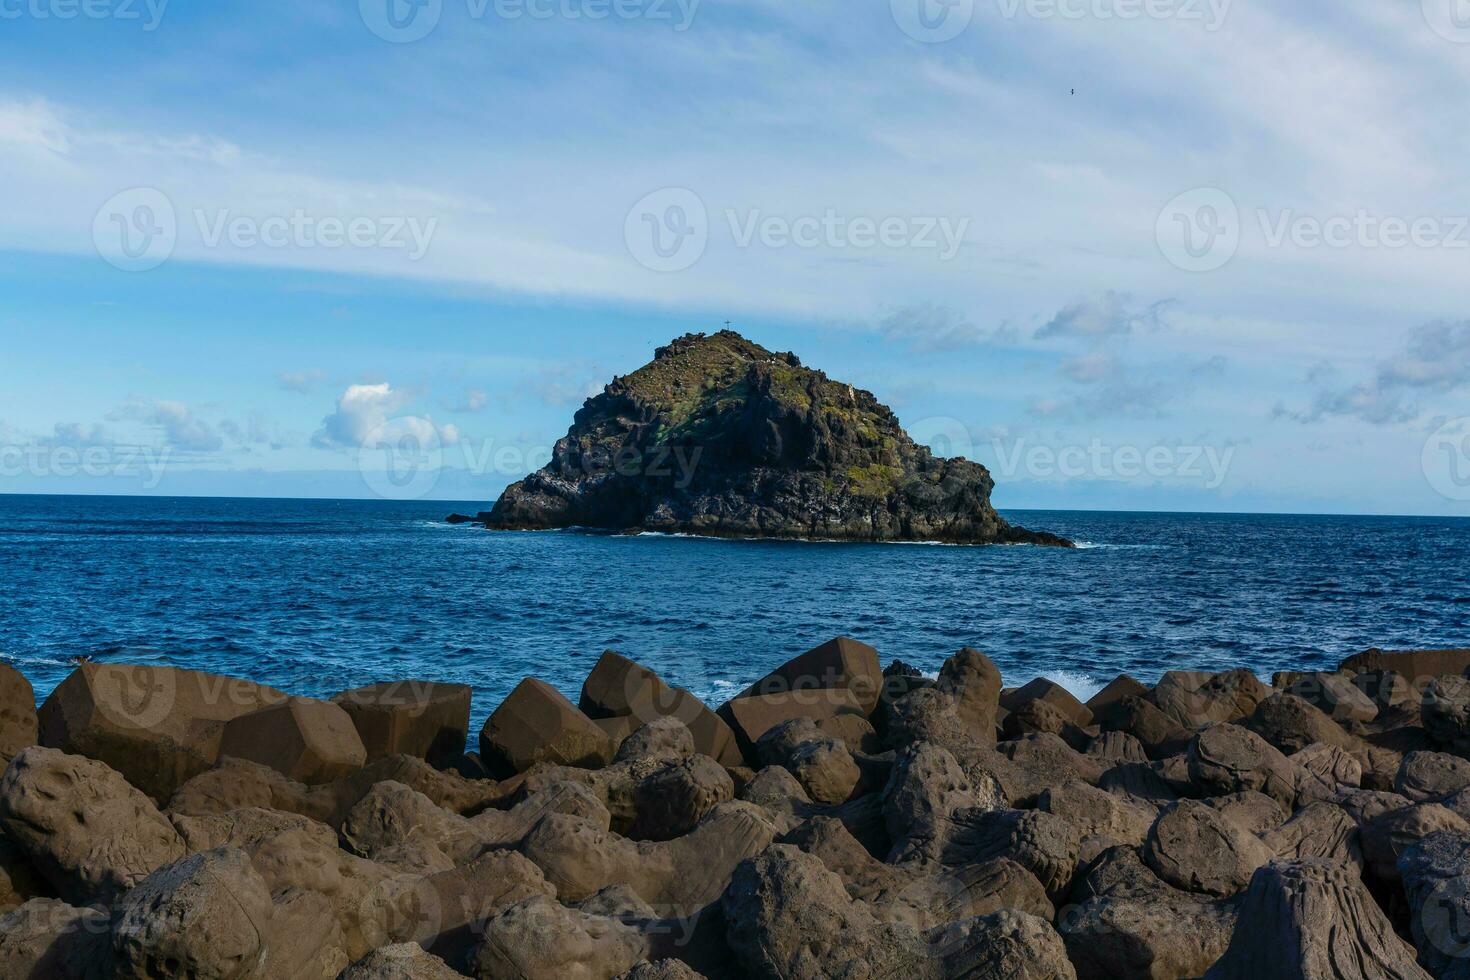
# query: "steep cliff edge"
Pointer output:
{"type": "Point", "coordinates": [719, 436]}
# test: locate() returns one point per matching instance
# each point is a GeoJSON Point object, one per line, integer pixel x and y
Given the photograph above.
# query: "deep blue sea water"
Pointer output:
{"type": "Point", "coordinates": [317, 596]}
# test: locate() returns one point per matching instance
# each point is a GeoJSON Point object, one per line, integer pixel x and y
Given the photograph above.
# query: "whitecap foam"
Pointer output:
{"type": "Point", "coordinates": [1080, 685]}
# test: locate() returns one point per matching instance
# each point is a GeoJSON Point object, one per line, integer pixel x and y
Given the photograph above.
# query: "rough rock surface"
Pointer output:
{"type": "Point", "coordinates": [89, 832]}
{"type": "Point", "coordinates": [1308, 919]}
{"type": "Point", "coordinates": [718, 435]}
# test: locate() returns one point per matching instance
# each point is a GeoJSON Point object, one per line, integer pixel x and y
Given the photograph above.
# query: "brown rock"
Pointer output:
{"type": "Point", "coordinates": [676, 877]}
{"type": "Point", "coordinates": [46, 939]}
{"type": "Point", "coordinates": [400, 961]}
{"type": "Point", "coordinates": [1386, 836]}
{"type": "Point", "coordinates": [426, 720]}
{"type": "Point", "coordinates": [750, 717]}
{"type": "Point", "coordinates": [1336, 696]}
{"type": "Point", "coordinates": [1415, 666]}
{"type": "Point", "coordinates": [1114, 747]}
{"type": "Point", "coordinates": [973, 681]}
{"type": "Point", "coordinates": [1291, 724]}
{"type": "Point", "coordinates": [306, 740]}
{"type": "Point", "coordinates": [840, 664]}
{"type": "Point", "coordinates": [1042, 843]}
{"type": "Point", "coordinates": [1317, 830]}
{"type": "Point", "coordinates": [1195, 848]}
{"type": "Point", "coordinates": [19, 728]}
{"type": "Point", "coordinates": [1255, 813]}
{"type": "Point", "coordinates": [208, 915]}
{"type": "Point", "coordinates": [1168, 935]}
{"type": "Point", "coordinates": [925, 791]}
{"type": "Point", "coordinates": [672, 801]}
{"type": "Point", "coordinates": [1430, 776]}
{"type": "Point", "coordinates": [662, 970]}
{"type": "Point", "coordinates": [1436, 876]}
{"type": "Point", "coordinates": [1324, 771]}
{"type": "Point", "coordinates": [1054, 694]}
{"type": "Point", "coordinates": [1159, 734]}
{"type": "Point", "coordinates": [1192, 699]}
{"type": "Point", "coordinates": [89, 832]}
{"type": "Point", "coordinates": [1117, 689]}
{"type": "Point", "coordinates": [539, 939]}
{"type": "Point", "coordinates": [236, 784]}
{"type": "Point", "coordinates": [620, 688]}
{"type": "Point", "coordinates": [534, 724]}
{"type": "Point", "coordinates": [158, 726]}
{"type": "Point", "coordinates": [1229, 759]}
{"type": "Point", "coordinates": [1446, 713]}
{"type": "Point", "coordinates": [1102, 820]}
{"type": "Point", "coordinates": [1303, 919]}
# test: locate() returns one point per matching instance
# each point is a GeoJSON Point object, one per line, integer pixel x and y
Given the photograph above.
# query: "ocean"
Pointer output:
{"type": "Point", "coordinates": [317, 596]}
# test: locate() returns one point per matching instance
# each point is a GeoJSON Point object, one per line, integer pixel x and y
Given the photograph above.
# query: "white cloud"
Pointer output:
{"type": "Point", "coordinates": [367, 417]}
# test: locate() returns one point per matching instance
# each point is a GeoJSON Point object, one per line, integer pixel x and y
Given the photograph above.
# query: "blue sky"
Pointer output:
{"type": "Point", "coordinates": [1174, 255]}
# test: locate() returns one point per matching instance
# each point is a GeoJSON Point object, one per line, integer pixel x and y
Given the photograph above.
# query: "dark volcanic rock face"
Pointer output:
{"type": "Point", "coordinates": [720, 436]}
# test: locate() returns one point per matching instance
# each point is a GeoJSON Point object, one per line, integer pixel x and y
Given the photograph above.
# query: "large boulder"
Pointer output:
{"type": "Point", "coordinates": [430, 721]}
{"type": "Point", "coordinates": [1291, 724]}
{"type": "Point", "coordinates": [208, 915]}
{"type": "Point", "coordinates": [1227, 759]}
{"type": "Point", "coordinates": [1193, 847]}
{"type": "Point", "coordinates": [788, 916]}
{"type": "Point", "coordinates": [676, 877]}
{"type": "Point", "coordinates": [306, 740]}
{"type": "Point", "coordinates": [618, 688]}
{"type": "Point", "coordinates": [1192, 699]}
{"type": "Point", "coordinates": [540, 939]}
{"type": "Point", "coordinates": [835, 711]}
{"type": "Point", "coordinates": [400, 961]}
{"type": "Point", "coordinates": [840, 664]}
{"type": "Point", "coordinates": [236, 784]}
{"type": "Point", "coordinates": [1436, 875]}
{"type": "Point", "coordinates": [1158, 733]}
{"type": "Point", "coordinates": [1317, 830]}
{"type": "Point", "coordinates": [974, 682]}
{"type": "Point", "coordinates": [673, 800]}
{"type": "Point", "coordinates": [823, 765]}
{"type": "Point", "coordinates": [1314, 918]}
{"type": "Point", "coordinates": [1446, 713]}
{"type": "Point", "coordinates": [1120, 687]}
{"type": "Point", "coordinates": [1430, 776]}
{"type": "Point", "coordinates": [1102, 819]}
{"type": "Point", "coordinates": [1042, 689]}
{"type": "Point", "coordinates": [46, 939]}
{"type": "Point", "coordinates": [1335, 695]}
{"type": "Point", "coordinates": [85, 828]}
{"type": "Point", "coordinates": [158, 726]}
{"type": "Point", "coordinates": [1164, 934]}
{"type": "Point", "coordinates": [19, 728]}
{"type": "Point", "coordinates": [537, 724]}
{"type": "Point", "coordinates": [1415, 666]}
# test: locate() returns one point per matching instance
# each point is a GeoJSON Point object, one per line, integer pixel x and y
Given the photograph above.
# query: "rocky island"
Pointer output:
{"type": "Point", "coordinates": [837, 819]}
{"type": "Point", "coordinates": [719, 436]}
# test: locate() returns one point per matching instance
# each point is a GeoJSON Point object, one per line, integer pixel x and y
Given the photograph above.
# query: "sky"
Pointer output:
{"type": "Point", "coordinates": [1129, 254]}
